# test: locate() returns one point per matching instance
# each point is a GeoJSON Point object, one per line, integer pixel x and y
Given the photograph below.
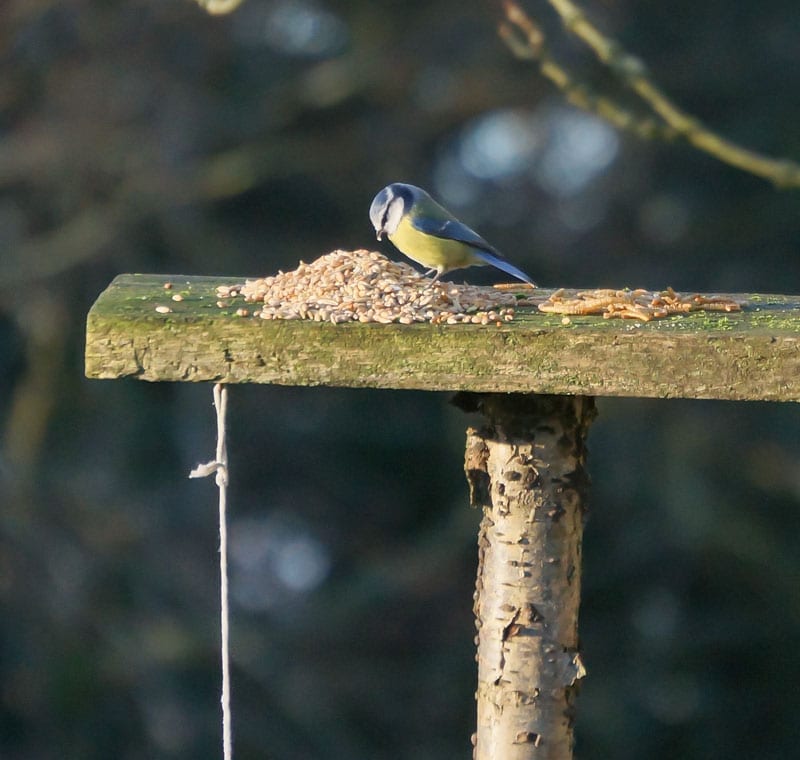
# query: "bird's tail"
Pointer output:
{"type": "Point", "coordinates": [507, 267]}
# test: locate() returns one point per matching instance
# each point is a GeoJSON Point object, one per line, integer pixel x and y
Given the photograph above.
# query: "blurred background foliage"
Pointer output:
{"type": "Point", "coordinates": [148, 136]}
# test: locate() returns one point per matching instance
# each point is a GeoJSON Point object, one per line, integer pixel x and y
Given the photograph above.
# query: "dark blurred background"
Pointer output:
{"type": "Point", "coordinates": [151, 137]}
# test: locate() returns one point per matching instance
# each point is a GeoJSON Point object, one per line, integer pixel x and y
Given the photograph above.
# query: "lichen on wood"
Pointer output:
{"type": "Point", "coordinates": [526, 470]}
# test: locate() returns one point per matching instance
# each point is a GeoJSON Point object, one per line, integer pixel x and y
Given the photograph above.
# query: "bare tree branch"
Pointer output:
{"type": "Point", "coordinates": [525, 39]}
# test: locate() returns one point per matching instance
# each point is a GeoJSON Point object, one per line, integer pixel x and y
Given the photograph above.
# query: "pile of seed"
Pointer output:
{"type": "Point", "coordinates": [639, 304]}
{"type": "Point", "coordinates": [365, 286]}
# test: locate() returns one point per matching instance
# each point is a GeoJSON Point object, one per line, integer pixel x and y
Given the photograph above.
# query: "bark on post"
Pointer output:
{"type": "Point", "coordinates": [526, 469]}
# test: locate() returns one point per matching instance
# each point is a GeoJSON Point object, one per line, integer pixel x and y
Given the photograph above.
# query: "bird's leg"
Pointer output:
{"type": "Point", "coordinates": [436, 276]}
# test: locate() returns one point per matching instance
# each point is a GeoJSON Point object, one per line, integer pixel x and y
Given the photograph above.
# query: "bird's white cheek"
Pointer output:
{"type": "Point", "coordinates": [393, 218]}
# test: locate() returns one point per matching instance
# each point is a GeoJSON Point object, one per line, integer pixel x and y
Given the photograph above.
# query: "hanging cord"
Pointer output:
{"type": "Point", "coordinates": [220, 467]}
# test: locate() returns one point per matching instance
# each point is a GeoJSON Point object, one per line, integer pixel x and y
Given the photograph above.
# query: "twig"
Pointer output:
{"type": "Point", "coordinates": [676, 122]}
{"type": "Point", "coordinates": [220, 467]}
{"type": "Point", "coordinates": [526, 41]}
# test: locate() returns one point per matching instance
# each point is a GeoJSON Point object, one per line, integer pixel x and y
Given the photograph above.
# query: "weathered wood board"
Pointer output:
{"type": "Point", "coordinates": [752, 355]}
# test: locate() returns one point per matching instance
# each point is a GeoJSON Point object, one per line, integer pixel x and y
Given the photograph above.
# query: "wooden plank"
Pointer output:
{"type": "Point", "coordinates": [752, 355]}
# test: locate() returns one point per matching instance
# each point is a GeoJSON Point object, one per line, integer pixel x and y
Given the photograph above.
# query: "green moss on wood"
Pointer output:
{"type": "Point", "coordinates": [750, 355]}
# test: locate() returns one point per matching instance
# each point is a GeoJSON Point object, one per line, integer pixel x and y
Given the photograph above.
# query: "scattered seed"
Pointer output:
{"type": "Point", "coordinates": [163, 309]}
{"type": "Point", "coordinates": [365, 286]}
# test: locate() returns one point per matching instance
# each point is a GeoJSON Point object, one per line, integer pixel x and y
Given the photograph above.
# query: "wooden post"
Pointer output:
{"type": "Point", "coordinates": [526, 469]}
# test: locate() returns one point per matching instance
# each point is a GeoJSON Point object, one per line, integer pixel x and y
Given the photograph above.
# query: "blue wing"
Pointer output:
{"type": "Point", "coordinates": [452, 229]}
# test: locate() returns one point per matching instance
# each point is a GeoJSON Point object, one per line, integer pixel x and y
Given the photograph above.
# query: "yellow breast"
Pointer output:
{"type": "Point", "coordinates": [431, 251]}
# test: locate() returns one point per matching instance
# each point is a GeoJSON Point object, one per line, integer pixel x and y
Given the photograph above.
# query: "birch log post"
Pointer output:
{"type": "Point", "coordinates": [526, 469]}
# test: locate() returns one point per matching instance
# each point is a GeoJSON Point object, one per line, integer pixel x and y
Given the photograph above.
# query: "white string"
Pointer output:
{"type": "Point", "coordinates": [220, 467]}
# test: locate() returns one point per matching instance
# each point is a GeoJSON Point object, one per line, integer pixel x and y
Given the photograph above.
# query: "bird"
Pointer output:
{"type": "Point", "coordinates": [430, 235]}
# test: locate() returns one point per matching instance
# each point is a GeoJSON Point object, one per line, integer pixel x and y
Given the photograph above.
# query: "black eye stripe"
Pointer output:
{"type": "Point", "coordinates": [390, 205]}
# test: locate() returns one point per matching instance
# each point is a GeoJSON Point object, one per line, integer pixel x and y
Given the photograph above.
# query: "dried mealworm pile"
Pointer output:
{"type": "Point", "coordinates": [365, 286]}
{"type": "Point", "coordinates": [635, 304]}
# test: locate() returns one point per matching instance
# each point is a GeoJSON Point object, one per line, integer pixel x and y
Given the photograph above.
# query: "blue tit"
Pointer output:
{"type": "Point", "coordinates": [430, 235]}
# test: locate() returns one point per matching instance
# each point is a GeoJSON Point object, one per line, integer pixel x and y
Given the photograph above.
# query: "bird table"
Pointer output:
{"type": "Point", "coordinates": [533, 379]}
